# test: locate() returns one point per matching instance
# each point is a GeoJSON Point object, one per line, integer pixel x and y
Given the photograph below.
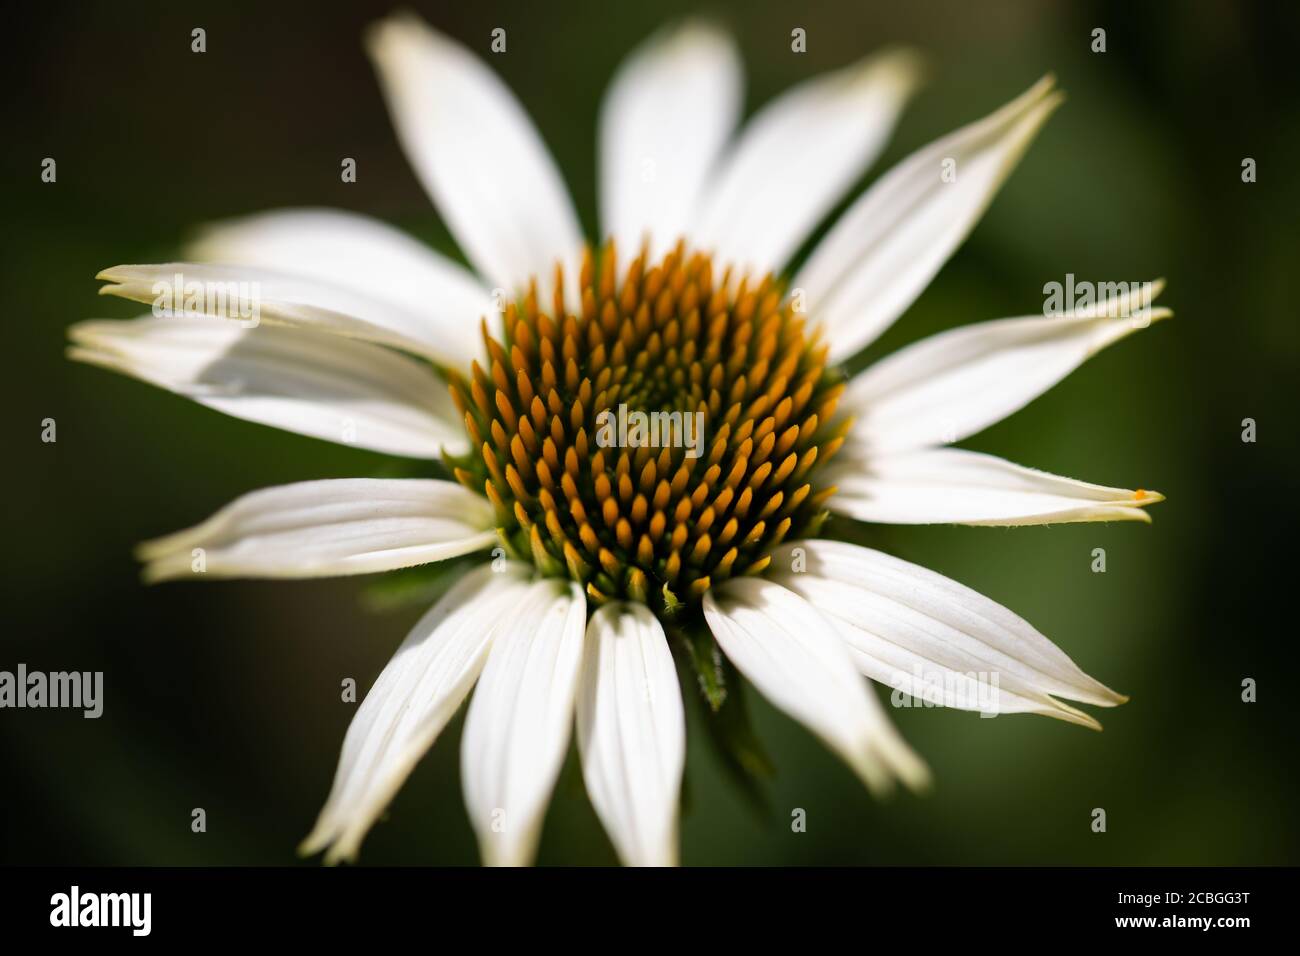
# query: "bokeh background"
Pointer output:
{"type": "Point", "coordinates": [225, 695]}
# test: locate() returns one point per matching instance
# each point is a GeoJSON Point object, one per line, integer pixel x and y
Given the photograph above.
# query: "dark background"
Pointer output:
{"type": "Point", "coordinates": [225, 695]}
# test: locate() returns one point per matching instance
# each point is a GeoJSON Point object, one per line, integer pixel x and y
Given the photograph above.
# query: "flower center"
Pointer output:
{"type": "Point", "coordinates": [659, 439]}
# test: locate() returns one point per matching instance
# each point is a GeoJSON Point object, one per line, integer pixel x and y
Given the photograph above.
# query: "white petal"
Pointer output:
{"type": "Point", "coordinates": [410, 703]}
{"type": "Point", "coordinates": [632, 733]}
{"type": "Point", "coordinates": [362, 254]}
{"type": "Point", "coordinates": [950, 485]}
{"type": "Point", "coordinates": [796, 658]}
{"type": "Point", "coordinates": [667, 113]}
{"type": "Point", "coordinates": [925, 634]}
{"type": "Point", "coordinates": [314, 384]}
{"type": "Point", "coordinates": [517, 730]}
{"type": "Point", "coordinates": [798, 156]}
{"type": "Point", "coordinates": [954, 384]}
{"type": "Point", "coordinates": [887, 247]}
{"type": "Point", "coordinates": [477, 154]}
{"type": "Point", "coordinates": [250, 296]}
{"type": "Point", "coordinates": [325, 528]}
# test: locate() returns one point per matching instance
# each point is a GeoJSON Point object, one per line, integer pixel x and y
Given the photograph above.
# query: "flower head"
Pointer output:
{"type": "Point", "coordinates": [732, 417]}
{"type": "Point", "coordinates": [652, 431]}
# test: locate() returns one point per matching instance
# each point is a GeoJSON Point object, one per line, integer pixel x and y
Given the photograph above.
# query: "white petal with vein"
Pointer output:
{"type": "Point", "coordinates": [950, 485]}
{"type": "Point", "coordinates": [518, 725]}
{"type": "Point", "coordinates": [887, 247]}
{"type": "Point", "coordinates": [632, 733]}
{"type": "Point", "coordinates": [797, 659]}
{"type": "Point", "coordinates": [321, 385]}
{"type": "Point", "coordinates": [249, 296]}
{"type": "Point", "coordinates": [477, 154]}
{"type": "Point", "coordinates": [668, 111]}
{"type": "Point", "coordinates": [954, 384]}
{"type": "Point", "coordinates": [919, 631]}
{"type": "Point", "coordinates": [324, 528]}
{"type": "Point", "coordinates": [365, 255]}
{"type": "Point", "coordinates": [798, 156]}
{"type": "Point", "coordinates": [410, 703]}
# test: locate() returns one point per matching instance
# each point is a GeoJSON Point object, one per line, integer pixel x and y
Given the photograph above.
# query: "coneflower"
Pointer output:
{"type": "Point", "coordinates": [607, 551]}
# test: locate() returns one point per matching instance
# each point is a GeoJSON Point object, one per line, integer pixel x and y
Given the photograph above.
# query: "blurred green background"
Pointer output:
{"type": "Point", "coordinates": [225, 695]}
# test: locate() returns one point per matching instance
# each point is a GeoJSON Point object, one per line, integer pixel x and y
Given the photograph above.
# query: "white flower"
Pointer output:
{"type": "Point", "coordinates": [361, 328]}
